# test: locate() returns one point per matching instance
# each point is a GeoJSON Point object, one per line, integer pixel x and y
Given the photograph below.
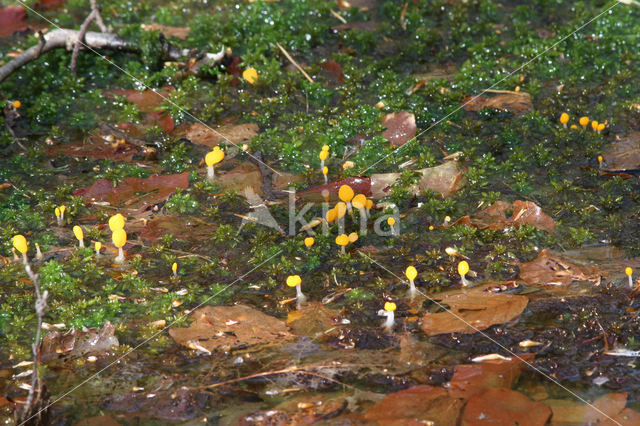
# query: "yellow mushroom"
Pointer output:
{"type": "Point", "coordinates": [600, 128]}
{"type": "Point", "coordinates": [116, 222]}
{"type": "Point", "coordinates": [411, 273]}
{"type": "Point", "coordinates": [594, 125]}
{"type": "Point", "coordinates": [323, 156]}
{"type": "Point", "coordinates": [353, 237]}
{"type": "Point", "coordinates": [573, 127]}
{"type": "Point", "coordinates": [345, 193]}
{"type": "Point", "coordinates": [341, 210]}
{"type": "Point", "coordinates": [584, 121]}
{"type": "Point", "coordinates": [17, 104]}
{"type": "Point", "coordinates": [629, 273]}
{"type": "Point", "coordinates": [211, 159]}
{"type": "Point", "coordinates": [600, 159]}
{"type": "Point", "coordinates": [250, 75]}
{"type": "Point", "coordinates": [38, 252]}
{"type": "Point", "coordinates": [325, 147]}
{"type": "Point", "coordinates": [119, 238]}
{"type": "Point", "coordinates": [296, 281]}
{"type": "Point", "coordinates": [463, 269]}
{"type": "Point", "coordinates": [359, 202]}
{"type": "Point", "coordinates": [20, 244]}
{"type": "Point", "coordinates": [174, 268]}
{"type": "Point", "coordinates": [564, 119]}
{"type": "Point", "coordinates": [309, 241]}
{"type": "Point", "coordinates": [58, 216]}
{"type": "Point", "coordinates": [388, 312]}
{"type": "Point", "coordinates": [325, 172]}
{"type": "Point", "coordinates": [62, 210]}
{"type": "Point", "coordinates": [97, 246]}
{"type": "Point", "coordinates": [77, 231]}
{"type": "Point", "coordinates": [332, 215]}
{"type": "Point", "coordinates": [342, 240]}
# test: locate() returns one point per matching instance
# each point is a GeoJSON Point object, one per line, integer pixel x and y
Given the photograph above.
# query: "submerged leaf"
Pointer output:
{"type": "Point", "coordinates": [503, 215]}
{"type": "Point", "coordinates": [447, 179]}
{"type": "Point", "coordinates": [401, 127]}
{"type": "Point", "coordinates": [208, 136]}
{"type": "Point", "coordinates": [98, 148]}
{"type": "Point", "coordinates": [504, 100]}
{"type": "Point", "coordinates": [77, 343]}
{"type": "Point", "coordinates": [136, 194]}
{"type": "Point", "coordinates": [577, 413]}
{"type": "Point", "coordinates": [230, 327]}
{"type": "Point", "coordinates": [623, 154]}
{"type": "Point", "coordinates": [550, 269]}
{"type": "Point", "coordinates": [148, 100]}
{"type": "Point", "coordinates": [499, 406]}
{"type": "Point", "coordinates": [473, 311]}
{"type": "Point", "coordinates": [313, 320]}
{"type": "Point", "coordinates": [12, 19]}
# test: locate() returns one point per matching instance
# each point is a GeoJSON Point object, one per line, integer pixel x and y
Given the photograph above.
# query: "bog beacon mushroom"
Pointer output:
{"type": "Point", "coordinates": [564, 119]}
{"type": "Point", "coordinates": [594, 125]}
{"type": "Point", "coordinates": [250, 75]}
{"type": "Point", "coordinates": [584, 121]}
{"type": "Point", "coordinates": [325, 172]}
{"type": "Point", "coordinates": [342, 240]}
{"type": "Point", "coordinates": [463, 270]}
{"type": "Point", "coordinates": [212, 158]}
{"type": "Point", "coordinates": [411, 273]}
{"type": "Point", "coordinates": [309, 241]}
{"type": "Point", "coordinates": [116, 222]}
{"type": "Point", "coordinates": [62, 210]}
{"type": "Point", "coordinates": [119, 238]}
{"type": "Point", "coordinates": [629, 272]}
{"type": "Point", "coordinates": [20, 244]}
{"type": "Point", "coordinates": [174, 269]}
{"type": "Point", "coordinates": [323, 156]}
{"type": "Point", "coordinates": [58, 216]}
{"type": "Point", "coordinates": [77, 231]}
{"type": "Point", "coordinates": [388, 312]}
{"type": "Point", "coordinates": [38, 252]}
{"type": "Point", "coordinates": [296, 281]}
{"type": "Point", "coordinates": [346, 194]}
{"type": "Point", "coordinates": [97, 246]}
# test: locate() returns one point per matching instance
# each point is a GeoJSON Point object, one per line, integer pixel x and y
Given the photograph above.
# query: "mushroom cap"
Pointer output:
{"type": "Point", "coordinates": [594, 125]}
{"type": "Point", "coordinates": [214, 157]}
{"type": "Point", "coordinates": [325, 147]}
{"type": "Point", "coordinates": [359, 201]}
{"type": "Point", "coordinates": [463, 268]}
{"type": "Point", "coordinates": [20, 243]}
{"type": "Point", "coordinates": [391, 221]}
{"type": "Point", "coordinates": [116, 222]}
{"type": "Point", "coordinates": [332, 215]}
{"type": "Point", "coordinates": [389, 306]}
{"type": "Point", "coordinates": [345, 193]}
{"type": "Point", "coordinates": [98, 245]}
{"type": "Point", "coordinates": [119, 237]}
{"type": "Point", "coordinates": [323, 155]}
{"type": "Point", "coordinates": [584, 121]}
{"type": "Point", "coordinates": [325, 170]}
{"type": "Point", "coordinates": [564, 118]}
{"type": "Point", "coordinates": [309, 241]}
{"type": "Point", "coordinates": [628, 271]}
{"type": "Point", "coordinates": [250, 74]}
{"type": "Point", "coordinates": [17, 104]}
{"type": "Point", "coordinates": [353, 237]}
{"type": "Point", "coordinates": [341, 210]}
{"type": "Point", "coordinates": [77, 231]}
{"type": "Point", "coordinates": [293, 280]}
{"type": "Point", "coordinates": [600, 158]}
{"type": "Point", "coordinates": [369, 204]}
{"type": "Point", "coordinates": [411, 273]}
{"type": "Point", "coordinates": [62, 209]}
{"type": "Point", "coordinates": [342, 240]}
{"type": "Point", "coordinates": [601, 127]}
{"type": "Point", "coordinates": [174, 267]}
{"type": "Point", "coordinates": [57, 211]}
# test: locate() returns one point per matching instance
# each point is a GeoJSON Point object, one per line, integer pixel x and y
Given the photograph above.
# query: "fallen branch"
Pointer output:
{"type": "Point", "coordinates": [63, 38]}
{"type": "Point", "coordinates": [94, 15]}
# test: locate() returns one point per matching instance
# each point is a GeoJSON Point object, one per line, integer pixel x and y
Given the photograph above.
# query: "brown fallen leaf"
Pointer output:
{"type": "Point", "coordinates": [147, 100]}
{"type": "Point", "coordinates": [236, 133]}
{"type": "Point", "coordinates": [134, 194]}
{"type": "Point", "coordinates": [244, 175]}
{"type": "Point", "coordinates": [623, 154]}
{"type": "Point", "coordinates": [313, 320]}
{"type": "Point", "coordinates": [447, 179]}
{"type": "Point", "coordinates": [416, 405]}
{"type": "Point", "coordinates": [98, 148]}
{"type": "Point", "coordinates": [473, 311]}
{"type": "Point", "coordinates": [177, 32]}
{"type": "Point", "coordinates": [334, 70]}
{"type": "Point", "coordinates": [230, 327]}
{"type": "Point", "coordinates": [49, 4]}
{"type": "Point", "coordinates": [471, 379]}
{"type": "Point", "coordinates": [77, 343]}
{"type": "Point", "coordinates": [500, 406]}
{"type": "Point", "coordinates": [505, 100]}
{"type": "Point", "coordinates": [502, 215]}
{"type": "Point", "coordinates": [401, 127]}
{"type": "Point", "coordinates": [577, 413]}
{"type": "Point", "coordinates": [179, 226]}
{"type": "Point", "coordinates": [12, 19]}
{"type": "Point", "coordinates": [550, 269]}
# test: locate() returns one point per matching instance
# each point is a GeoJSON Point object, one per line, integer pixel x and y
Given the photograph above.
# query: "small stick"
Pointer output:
{"type": "Point", "coordinates": [80, 40]}
{"type": "Point", "coordinates": [295, 64]}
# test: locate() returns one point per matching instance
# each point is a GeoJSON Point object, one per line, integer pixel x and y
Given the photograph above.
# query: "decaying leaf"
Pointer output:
{"type": "Point", "coordinates": [550, 269]}
{"type": "Point", "coordinates": [179, 226]}
{"type": "Point", "coordinates": [473, 311]}
{"type": "Point", "coordinates": [401, 127]}
{"type": "Point", "coordinates": [148, 100]}
{"type": "Point", "coordinates": [577, 413]}
{"type": "Point", "coordinates": [623, 154]}
{"type": "Point", "coordinates": [12, 19]}
{"type": "Point", "coordinates": [77, 343]}
{"type": "Point", "coordinates": [504, 100]}
{"type": "Point", "coordinates": [177, 32]}
{"type": "Point", "coordinates": [134, 194]}
{"type": "Point", "coordinates": [502, 215]}
{"type": "Point", "coordinates": [227, 328]}
{"type": "Point", "coordinates": [98, 147]}
{"type": "Point", "coordinates": [313, 320]}
{"type": "Point", "coordinates": [334, 70]}
{"type": "Point", "coordinates": [416, 405]}
{"type": "Point", "coordinates": [447, 179]}
{"type": "Point", "coordinates": [500, 406]}
{"type": "Point", "coordinates": [471, 379]}
{"type": "Point", "coordinates": [236, 133]}
{"type": "Point", "coordinates": [247, 175]}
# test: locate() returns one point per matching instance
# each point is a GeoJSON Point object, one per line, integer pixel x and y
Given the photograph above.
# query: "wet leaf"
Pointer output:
{"type": "Point", "coordinates": [470, 379]}
{"type": "Point", "coordinates": [134, 194]}
{"type": "Point", "coordinates": [77, 343]}
{"type": "Point", "coordinates": [623, 154]}
{"type": "Point", "coordinates": [247, 175]}
{"type": "Point", "coordinates": [357, 25]}
{"type": "Point", "coordinates": [97, 148]}
{"type": "Point", "coordinates": [443, 72]}
{"type": "Point", "coordinates": [49, 4]}
{"type": "Point", "coordinates": [401, 127]}
{"type": "Point", "coordinates": [181, 227]}
{"type": "Point", "coordinates": [179, 404]}
{"type": "Point", "coordinates": [480, 310]}
{"type": "Point", "coordinates": [105, 420]}
{"type": "Point", "coordinates": [447, 179]}
{"type": "Point", "coordinates": [504, 100]}
{"type": "Point", "coordinates": [500, 406]}
{"type": "Point", "coordinates": [549, 269]}
{"type": "Point", "coordinates": [177, 32]}
{"type": "Point", "coordinates": [334, 69]}
{"type": "Point", "coordinates": [577, 413]}
{"type": "Point", "coordinates": [148, 100]}
{"type": "Point", "coordinates": [313, 320]}
{"type": "Point", "coordinates": [12, 19]}
{"type": "Point", "coordinates": [227, 328]}
{"type": "Point", "coordinates": [416, 405]}
{"type": "Point", "coordinates": [502, 215]}
{"type": "Point", "coordinates": [237, 133]}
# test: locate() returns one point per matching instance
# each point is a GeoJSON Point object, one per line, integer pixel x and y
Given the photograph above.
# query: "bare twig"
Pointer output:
{"type": "Point", "coordinates": [99, 21]}
{"type": "Point", "coordinates": [293, 61]}
{"type": "Point", "coordinates": [80, 40]}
